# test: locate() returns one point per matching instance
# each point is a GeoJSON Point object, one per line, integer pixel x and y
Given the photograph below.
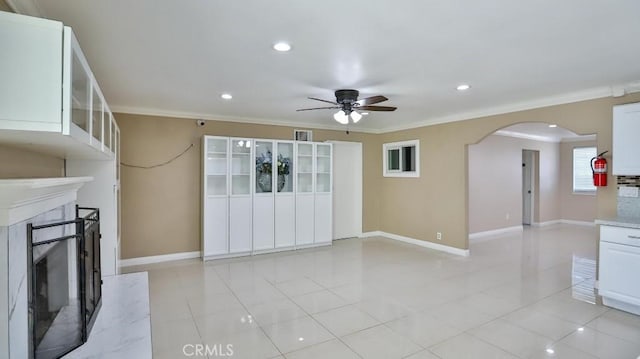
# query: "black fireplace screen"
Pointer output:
{"type": "Point", "coordinates": [65, 289]}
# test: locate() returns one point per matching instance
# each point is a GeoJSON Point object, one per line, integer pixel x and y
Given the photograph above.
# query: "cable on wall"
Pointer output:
{"type": "Point", "coordinates": [160, 164]}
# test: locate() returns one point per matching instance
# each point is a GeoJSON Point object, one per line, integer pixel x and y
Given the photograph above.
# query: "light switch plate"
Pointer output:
{"type": "Point", "coordinates": [628, 192]}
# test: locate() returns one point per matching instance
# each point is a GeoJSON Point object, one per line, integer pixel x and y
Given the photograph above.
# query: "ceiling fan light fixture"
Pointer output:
{"type": "Point", "coordinates": [226, 96]}
{"type": "Point", "coordinates": [355, 116]}
{"type": "Point", "coordinates": [341, 117]}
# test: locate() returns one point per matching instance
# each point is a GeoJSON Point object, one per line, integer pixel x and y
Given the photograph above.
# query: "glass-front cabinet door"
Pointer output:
{"type": "Point", "coordinates": [323, 168]}
{"type": "Point", "coordinates": [264, 167]}
{"type": "Point", "coordinates": [284, 162]}
{"type": "Point", "coordinates": [240, 167]}
{"type": "Point", "coordinates": [106, 128]}
{"type": "Point", "coordinates": [96, 117]}
{"type": "Point", "coordinates": [216, 167]}
{"type": "Point", "coordinates": [80, 94]}
{"type": "Point", "coordinates": [305, 168]}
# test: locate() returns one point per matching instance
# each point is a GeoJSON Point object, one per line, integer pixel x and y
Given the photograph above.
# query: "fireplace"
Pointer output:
{"type": "Point", "coordinates": [65, 283]}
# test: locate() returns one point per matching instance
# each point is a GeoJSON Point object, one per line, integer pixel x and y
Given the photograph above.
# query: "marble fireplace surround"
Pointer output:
{"type": "Point", "coordinates": [35, 200]}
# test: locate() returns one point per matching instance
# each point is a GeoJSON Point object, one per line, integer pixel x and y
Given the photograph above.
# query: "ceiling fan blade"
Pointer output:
{"type": "Point", "coordinates": [377, 108]}
{"type": "Point", "coordinates": [318, 108]}
{"type": "Point", "coordinates": [371, 100]}
{"type": "Point", "coordinates": [319, 99]}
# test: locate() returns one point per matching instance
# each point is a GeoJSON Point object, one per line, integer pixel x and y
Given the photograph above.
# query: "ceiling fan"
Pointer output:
{"type": "Point", "coordinates": [347, 103]}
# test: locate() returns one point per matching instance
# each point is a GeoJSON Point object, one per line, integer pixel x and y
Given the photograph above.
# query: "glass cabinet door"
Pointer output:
{"type": "Point", "coordinates": [264, 167]}
{"type": "Point", "coordinates": [106, 128]}
{"type": "Point", "coordinates": [96, 116]}
{"type": "Point", "coordinates": [216, 167]}
{"type": "Point", "coordinates": [240, 167]}
{"type": "Point", "coordinates": [80, 94]}
{"type": "Point", "coordinates": [323, 168]}
{"type": "Point", "coordinates": [305, 167]}
{"type": "Point", "coordinates": [284, 162]}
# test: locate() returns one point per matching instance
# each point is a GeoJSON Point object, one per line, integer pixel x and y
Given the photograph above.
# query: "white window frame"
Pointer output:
{"type": "Point", "coordinates": [399, 145]}
{"type": "Point", "coordinates": [584, 191]}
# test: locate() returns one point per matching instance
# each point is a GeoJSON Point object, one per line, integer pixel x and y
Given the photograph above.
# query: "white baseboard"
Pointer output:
{"type": "Point", "coordinates": [495, 232]}
{"type": "Point", "coordinates": [546, 223]}
{"type": "Point", "coordinates": [578, 223]}
{"type": "Point", "coordinates": [426, 244]}
{"type": "Point", "coordinates": [158, 259]}
{"type": "Point", "coordinates": [563, 221]}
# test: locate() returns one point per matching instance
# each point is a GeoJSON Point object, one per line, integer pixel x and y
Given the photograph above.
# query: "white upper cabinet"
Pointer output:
{"type": "Point", "coordinates": [48, 87]}
{"type": "Point", "coordinates": [626, 139]}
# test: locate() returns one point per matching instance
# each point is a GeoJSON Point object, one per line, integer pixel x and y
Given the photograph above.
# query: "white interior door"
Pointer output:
{"type": "Point", "coordinates": [347, 189]}
{"type": "Point", "coordinates": [527, 186]}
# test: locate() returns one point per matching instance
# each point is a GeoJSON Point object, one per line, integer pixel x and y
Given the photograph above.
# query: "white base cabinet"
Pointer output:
{"type": "Point", "coordinates": [619, 268]}
{"type": "Point", "coordinates": [305, 218]}
{"type": "Point", "coordinates": [322, 218]}
{"type": "Point", "coordinates": [240, 225]}
{"type": "Point", "coordinates": [285, 228]}
{"type": "Point", "coordinates": [263, 195]}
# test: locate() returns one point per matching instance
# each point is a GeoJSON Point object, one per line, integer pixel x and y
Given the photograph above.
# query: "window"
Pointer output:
{"type": "Point", "coordinates": [582, 175]}
{"type": "Point", "coordinates": [401, 159]}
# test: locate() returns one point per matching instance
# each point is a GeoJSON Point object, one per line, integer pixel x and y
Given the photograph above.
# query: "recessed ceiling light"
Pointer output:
{"type": "Point", "coordinates": [553, 126]}
{"type": "Point", "coordinates": [463, 87]}
{"type": "Point", "coordinates": [550, 351]}
{"type": "Point", "coordinates": [581, 329]}
{"type": "Point", "coordinates": [282, 47]}
{"type": "Point", "coordinates": [226, 96]}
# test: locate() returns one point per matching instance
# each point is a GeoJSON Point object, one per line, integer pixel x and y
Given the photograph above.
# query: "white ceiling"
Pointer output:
{"type": "Point", "coordinates": [177, 57]}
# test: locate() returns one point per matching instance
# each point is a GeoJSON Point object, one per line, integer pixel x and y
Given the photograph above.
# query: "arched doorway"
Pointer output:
{"type": "Point", "coordinates": [526, 175]}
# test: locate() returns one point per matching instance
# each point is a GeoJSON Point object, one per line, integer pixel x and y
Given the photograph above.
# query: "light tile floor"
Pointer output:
{"type": "Point", "coordinates": [526, 295]}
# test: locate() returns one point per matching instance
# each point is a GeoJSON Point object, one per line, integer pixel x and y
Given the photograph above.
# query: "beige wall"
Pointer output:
{"type": "Point", "coordinates": [495, 182]}
{"type": "Point", "coordinates": [18, 163]}
{"type": "Point", "coordinates": [577, 207]}
{"type": "Point", "coordinates": [4, 6]}
{"type": "Point", "coordinates": [437, 201]}
{"type": "Point", "coordinates": [161, 206]}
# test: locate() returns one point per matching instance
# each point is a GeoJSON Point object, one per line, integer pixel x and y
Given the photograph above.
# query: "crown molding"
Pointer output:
{"type": "Point", "coordinates": [578, 96]}
{"type": "Point", "coordinates": [210, 117]}
{"type": "Point", "coordinates": [25, 7]}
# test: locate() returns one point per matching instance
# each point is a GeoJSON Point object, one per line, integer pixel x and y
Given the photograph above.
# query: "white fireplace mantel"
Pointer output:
{"type": "Point", "coordinates": [21, 199]}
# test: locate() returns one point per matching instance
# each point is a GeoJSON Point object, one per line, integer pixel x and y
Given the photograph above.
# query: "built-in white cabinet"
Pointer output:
{"type": "Point", "coordinates": [285, 197]}
{"type": "Point", "coordinates": [215, 220]}
{"type": "Point", "coordinates": [305, 211]}
{"type": "Point", "coordinates": [49, 98]}
{"type": "Point", "coordinates": [619, 268]}
{"type": "Point", "coordinates": [626, 127]}
{"type": "Point", "coordinates": [263, 198]}
{"type": "Point", "coordinates": [240, 200]}
{"type": "Point", "coordinates": [262, 195]}
{"type": "Point", "coordinates": [50, 102]}
{"type": "Point", "coordinates": [323, 193]}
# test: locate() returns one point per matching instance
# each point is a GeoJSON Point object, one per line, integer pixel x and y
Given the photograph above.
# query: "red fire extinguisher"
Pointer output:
{"type": "Point", "coordinates": [599, 169]}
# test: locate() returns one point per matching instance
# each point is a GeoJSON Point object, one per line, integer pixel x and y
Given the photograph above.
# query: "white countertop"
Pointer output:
{"type": "Point", "coordinates": [628, 222]}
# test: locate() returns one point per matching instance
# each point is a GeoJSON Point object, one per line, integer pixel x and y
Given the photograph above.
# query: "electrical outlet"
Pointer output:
{"type": "Point", "coordinates": [439, 236]}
